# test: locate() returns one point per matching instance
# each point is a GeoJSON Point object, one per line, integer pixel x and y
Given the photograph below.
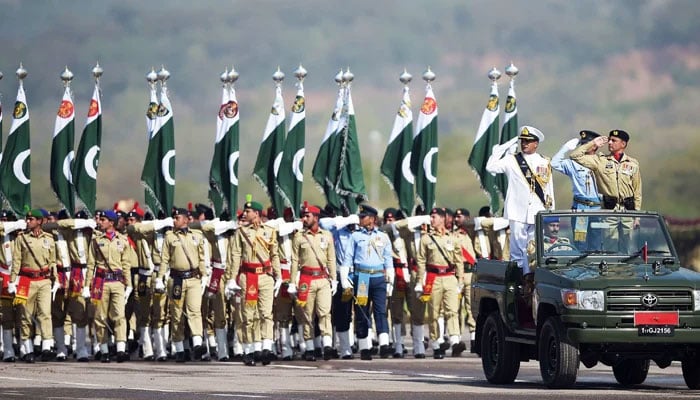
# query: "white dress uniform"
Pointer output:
{"type": "Point", "coordinates": [522, 202]}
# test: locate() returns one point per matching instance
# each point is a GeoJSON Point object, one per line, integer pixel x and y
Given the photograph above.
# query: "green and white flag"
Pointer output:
{"type": "Point", "coordinates": [223, 174]}
{"type": "Point", "coordinates": [396, 165]}
{"type": "Point", "coordinates": [62, 153]}
{"type": "Point", "coordinates": [325, 167]}
{"type": "Point", "coordinates": [424, 156]}
{"type": "Point", "coordinates": [350, 184]}
{"type": "Point", "coordinates": [509, 131]}
{"type": "Point", "coordinates": [486, 138]}
{"type": "Point", "coordinates": [269, 157]}
{"type": "Point", "coordinates": [291, 172]}
{"type": "Point", "coordinates": [158, 175]}
{"type": "Point", "coordinates": [15, 168]}
{"type": "Point", "coordinates": [0, 134]}
{"type": "Point", "coordinates": [87, 158]}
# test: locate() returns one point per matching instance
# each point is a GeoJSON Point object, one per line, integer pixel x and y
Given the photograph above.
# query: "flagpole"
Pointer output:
{"type": "Point", "coordinates": [3, 202]}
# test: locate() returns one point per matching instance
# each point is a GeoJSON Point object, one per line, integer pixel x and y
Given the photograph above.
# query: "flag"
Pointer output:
{"type": "Point", "coordinates": [486, 138]}
{"type": "Point", "coordinates": [15, 168]}
{"type": "Point", "coordinates": [270, 153]}
{"type": "Point", "coordinates": [87, 158]}
{"type": "Point", "coordinates": [325, 167]}
{"type": "Point", "coordinates": [62, 153]}
{"type": "Point", "coordinates": [396, 165]}
{"type": "Point", "coordinates": [424, 154]}
{"type": "Point", "coordinates": [291, 172]}
{"type": "Point", "coordinates": [158, 175]}
{"type": "Point", "coordinates": [509, 131]}
{"type": "Point", "coordinates": [350, 183]}
{"type": "Point", "coordinates": [0, 134]}
{"type": "Point", "coordinates": [223, 174]}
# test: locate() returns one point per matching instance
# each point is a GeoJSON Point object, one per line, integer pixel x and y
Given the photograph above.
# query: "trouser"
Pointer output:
{"type": "Point", "coordinates": [318, 305]}
{"type": "Point", "coordinates": [617, 237]}
{"type": "Point", "coordinates": [111, 308]}
{"type": "Point", "coordinates": [444, 297]}
{"type": "Point", "coordinates": [58, 308]}
{"type": "Point", "coordinates": [398, 303]}
{"type": "Point", "coordinates": [467, 316]}
{"type": "Point", "coordinates": [257, 316]}
{"type": "Point", "coordinates": [38, 305]}
{"type": "Point", "coordinates": [377, 303]}
{"type": "Point", "coordinates": [341, 312]}
{"type": "Point", "coordinates": [214, 308]}
{"type": "Point", "coordinates": [520, 235]}
{"type": "Point", "coordinates": [80, 310]}
{"type": "Point", "coordinates": [418, 309]}
{"type": "Point", "coordinates": [188, 306]}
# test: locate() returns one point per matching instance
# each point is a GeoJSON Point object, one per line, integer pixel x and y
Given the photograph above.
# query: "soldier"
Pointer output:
{"type": "Point", "coordinates": [254, 257]}
{"type": "Point", "coordinates": [530, 188]}
{"type": "Point", "coordinates": [183, 257]}
{"type": "Point", "coordinates": [551, 234]}
{"type": "Point", "coordinates": [468, 262]}
{"type": "Point", "coordinates": [439, 256]}
{"type": "Point", "coordinates": [399, 299]}
{"type": "Point", "coordinates": [108, 284]}
{"type": "Point", "coordinates": [33, 265]}
{"type": "Point", "coordinates": [8, 227]}
{"type": "Point", "coordinates": [490, 236]}
{"type": "Point", "coordinates": [368, 256]}
{"type": "Point", "coordinates": [313, 272]}
{"type": "Point", "coordinates": [619, 182]}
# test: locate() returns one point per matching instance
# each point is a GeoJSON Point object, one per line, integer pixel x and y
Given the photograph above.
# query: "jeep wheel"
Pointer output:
{"type": "Point", "coordinates": [691, 373]}
{"type": "Point", "coordinates": [631, 372]}
{"type": "Point", "coordinates": [500, 359]}
{"type": "Point", "coordinates": [558, 357]}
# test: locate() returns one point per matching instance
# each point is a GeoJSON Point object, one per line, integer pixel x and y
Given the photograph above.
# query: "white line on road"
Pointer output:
{"type": "Point", "coordinates": [367, 371]}
{"type": "Point", "coordinates": [292, 366]}
{"type": "Point", "coordinates": [446, 376]}
{"type": "Point", "coordinates": [247, 396]}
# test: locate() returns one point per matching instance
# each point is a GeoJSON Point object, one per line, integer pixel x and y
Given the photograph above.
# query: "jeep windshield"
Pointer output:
{"type": "Point", "coordinates": [569, 237]}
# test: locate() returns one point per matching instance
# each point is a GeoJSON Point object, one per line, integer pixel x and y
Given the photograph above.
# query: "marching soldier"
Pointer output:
{"type": "Point", "coordinates": [183, 257]}
{"type": "Point", "coordinates": [8, 227]}
{"type": "Point", "coordinates": [33, 266]}
{"type": "Point", "coordinates": [254, 257]}
{"type": "Point", "coordinates": [468, 262]}
{"type": "Point", "coordinates": [441, 272]}
{"type": "Point", "coordinates": [108, 284]}
{"type": "Point", "coordinates": [399, 299]}
{"type": "Point", "coordinates": [313, 273]}
{"type": "Point", "coordinates": [368, 256]}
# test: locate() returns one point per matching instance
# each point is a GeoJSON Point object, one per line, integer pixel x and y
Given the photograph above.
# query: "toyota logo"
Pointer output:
{"type": "Point", "coordinates": [649, 300]}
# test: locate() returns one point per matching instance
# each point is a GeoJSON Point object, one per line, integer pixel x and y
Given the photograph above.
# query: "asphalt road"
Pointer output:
{"type": "Point", "coordinates": [336, 379]}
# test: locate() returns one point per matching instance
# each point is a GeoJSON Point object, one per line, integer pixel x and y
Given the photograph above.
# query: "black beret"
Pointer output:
{"type": "Point", "coordinates": [462, 211]}
{"type": "Point", "coordinates": [586, 136]}
{"type": "Point", "coordinates": [389, 213]}
{"type": "Point", "coordinates": [619, 133]}
{"type": "Point", "coordinates": [448, 211]}
{"type": "Point", "coordinates": [366, 210]}
{"type": "Point", "coordinates": [439, 211]}
{"type": "Point", "coordinates": [180, 211]}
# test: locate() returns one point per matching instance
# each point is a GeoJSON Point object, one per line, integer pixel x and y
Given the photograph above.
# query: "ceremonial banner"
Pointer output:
{"type": "Point", "coordinates": [15, 168]}
{"type": "Point", "coordinates": [223, 174]}
{"type": "Point", "coordinates": [509, 131]}
{"type": "Point", "coordinates": [325, 167]}
{"type": "Point", "coordinates": [270, 154]}
{"type": "Point", "coordinates": [62, 153]}
{"type": "Point", "coordinates": [87, 158]}
{"type": "Point", "coordinates": [486, 138]}
{"type": "Point", "coordinates": [350, 183]}
{"type": "Point", "coordinates": [396, 165]}
{"type": "Point", "coordinates": [291, 173]}
{"type": "Point", "coordinates": [424, 156]}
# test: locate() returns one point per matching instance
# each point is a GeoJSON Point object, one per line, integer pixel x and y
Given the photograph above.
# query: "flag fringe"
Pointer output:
{"type": "Point", "coordinates": [152, 193]}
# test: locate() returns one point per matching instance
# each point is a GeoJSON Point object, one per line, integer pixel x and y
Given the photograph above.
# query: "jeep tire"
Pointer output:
{"type": "Point", "coordinates": [691, 373]}
{"type": "Point", "coordinates": [559, 358]}
{"type": "Point", "coordinates": [500, 359]}
{"type": "Point", "coordinates": [631, 372]}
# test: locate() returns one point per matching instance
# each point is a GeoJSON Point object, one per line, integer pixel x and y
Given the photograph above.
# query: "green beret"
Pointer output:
{"type": "Point", "coordinates": [35, 213]}
{"type": "Point", "coordinates": [254, 205]}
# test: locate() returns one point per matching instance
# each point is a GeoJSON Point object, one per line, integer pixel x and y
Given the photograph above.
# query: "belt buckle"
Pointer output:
{"type": "Point", "coordinates": [258, 270]}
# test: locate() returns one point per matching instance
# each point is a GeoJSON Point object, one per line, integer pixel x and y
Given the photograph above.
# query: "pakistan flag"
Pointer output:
{"type": "Point", "coordinates": [15, 166]}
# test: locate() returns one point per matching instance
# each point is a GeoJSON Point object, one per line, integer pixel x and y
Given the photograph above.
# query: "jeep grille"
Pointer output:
{"type": "Point", "coordinates": [668, 300]}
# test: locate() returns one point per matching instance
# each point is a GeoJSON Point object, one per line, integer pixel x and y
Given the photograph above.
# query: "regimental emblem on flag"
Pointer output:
{"type": "Point", "coordinates": [336, 115]}
{"type": "Point", "coordinates": [94, 108]}
{"type": "Point", "coordinates": [65, 110]}
{"type": "Point", "coordinates": [299, 105]}
{"type": "Point", "coordinates": [163, 110]}
{"type": "Point", "coordinates": [429, 106]}
{"type": "Point", "coordinates": [228, 110]}
{"type": "Point", "coordinates": [20, 110]}
{"type": "Point", "coordinates": [404, 109]}
{"type": "Point", "coordinates": [152, 110]}
{"type": "Point", "coordinates": [492, 105]}
{"type": "Point", "coordinates": [510, 104]}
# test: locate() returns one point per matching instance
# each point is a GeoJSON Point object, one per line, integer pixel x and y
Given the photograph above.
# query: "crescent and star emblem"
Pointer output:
{"type": "Point", "coordinates": [91, 161]}
{"type": "Point", "coordinates": [428, 165]}
{"type": "Point", "coordinates": [232, 159]}
{"type": "Point", "coordinates": [165, 167]}
{"type": "Point", "coordinates": [296, 164]}
{"type": "Point", "coordinates": [18, 167]}
{"type": "Point", "coordinates": [67, 163]}
{"type": "Point", "coordinates": [406, 168]}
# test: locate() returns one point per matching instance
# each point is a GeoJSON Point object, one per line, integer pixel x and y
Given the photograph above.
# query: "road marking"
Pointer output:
{"type": "Point", "coordinates": [367, 371]}
{"type": "Point", "coordinates": [247, 396]}
{"type": "Point", "coordinates": [293, 366]}
{"type": "Point", "coordinates": [446, 376]}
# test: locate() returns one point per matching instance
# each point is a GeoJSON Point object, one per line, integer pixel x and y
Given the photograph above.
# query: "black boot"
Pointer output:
{"type": "Point", "coordinates": [438, 354]}
{"type": "Point", "coordinates": [180, 357]}
{"type": "Point", "coordinates": [197, 352]}
{"type": "Point", "coordinates": [309, 355]}
{"type": "Point", "coordinates": [366, 355]}
{"type": "Point", "coordinates": [29, 358]}
{"type": "Point", "coordinates": [327, 353]}
{"type": "Point", "coordinates": [266, 357]}
{"type": "Point", "coordinates": [384, 351]}
{"type": "Point", "coordinates": [458, 348]}
{"type": "Point", "coordinates": [122, 356]}
{"type": "Point", "coordinates": [105, 357]}
{"type": "Point", "coordinates": [249, 360]}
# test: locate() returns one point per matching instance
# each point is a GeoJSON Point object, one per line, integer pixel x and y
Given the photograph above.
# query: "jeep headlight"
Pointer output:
{"type": "Point", "coordinates": [696, 300]}
{"type": "Point", "coordinates": [593, 300]}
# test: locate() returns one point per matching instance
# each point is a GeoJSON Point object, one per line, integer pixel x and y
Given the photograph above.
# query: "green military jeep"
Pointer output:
{"type": "Point", "coordinates": [607, 287]}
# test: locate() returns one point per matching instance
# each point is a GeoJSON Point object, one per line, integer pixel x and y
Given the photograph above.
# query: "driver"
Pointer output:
{"type": "Point", "coordinates": [551, 233]}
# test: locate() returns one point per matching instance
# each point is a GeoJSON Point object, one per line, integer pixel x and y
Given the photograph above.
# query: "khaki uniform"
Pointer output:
{"type": "Point", "coordinates": [399, 300]}
{"type": "Point", "coordinates": [183, 256]}
{"type": "Point", "coordinates": [256, 302]}
{"type": "Point", "coordinates": [445, 288]}
{"type": "Point", "coordinates": [466, 315]}
{"type": "Point", "coordinates": [214, 304]}
{"type": "Point", "coordinates": [309, 249]}
{"type": "Point", "coordinates": [35, 269]}
{"type": "Point", "coordinates": [8, 316]}
{"type": "Point", "coordinates": [108, 259]}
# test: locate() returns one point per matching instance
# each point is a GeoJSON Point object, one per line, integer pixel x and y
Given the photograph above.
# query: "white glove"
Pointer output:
{"type": "Point", "coordinates": [406, 275]}
{"type": "Point", "coordinates": [276, 288]}
{"type": "Point", "coordinates": [571, 144]}
{"type": "Point", "coordinates": [231, 288]}
{"type": "Point", "coordinates": [86, 292]}
{"type": "Point", "coordinates": [416, 221]}
{"type": "Point", "coordinates": [80, 223]}
{"type": "Point", "coordinates": [344, 280]}
{"type": "Point", "coordinates": [159, 285]}
{"type": "Point", "coordinates": [341, 222]}
{"type": "Point", "coordinates": [11, 288]}
{"type": "Point", "coordinates": [162, 223]}
{"type": "Point", "coordinates": [390, 275]}
{"type": "Point", "coordinates": [54, 288]}
{"type": "Point", "coordinates": [127, 293]}
{"type": "Point", "coordinates": [334, 287]}
{"type": "Point", "coordinates": [418, 289]}
{"type": "Point", "coordinates": [477, 223]}
{"type": "Point", "coordinates": [291, 289]}
{"type": "Point", "coordinates": [500, 224]}
{"type": "Point", "coordinates": [460, 287]}
{"type": "Point", "coordinates": [205, 282]}
{"type": "Point", "coordinates": [11, 226]}
{"type": "Point", "coordinates": [221, 227]}
{"type": "Point", "coordinates": [297, 225]}
{"type": "Point", "coordinates": [389, 289]}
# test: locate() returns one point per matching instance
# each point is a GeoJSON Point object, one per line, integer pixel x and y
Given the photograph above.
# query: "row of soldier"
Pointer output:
{"type": "Point", "coordinates": [199, 283]}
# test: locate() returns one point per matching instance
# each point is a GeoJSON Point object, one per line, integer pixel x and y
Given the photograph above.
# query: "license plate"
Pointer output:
{"type": "Point", "coordinates": [656, 330]}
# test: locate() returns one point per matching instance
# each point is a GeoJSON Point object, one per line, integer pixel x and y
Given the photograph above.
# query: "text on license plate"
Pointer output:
{"type": "Point", "coordinates": [656, 330]}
